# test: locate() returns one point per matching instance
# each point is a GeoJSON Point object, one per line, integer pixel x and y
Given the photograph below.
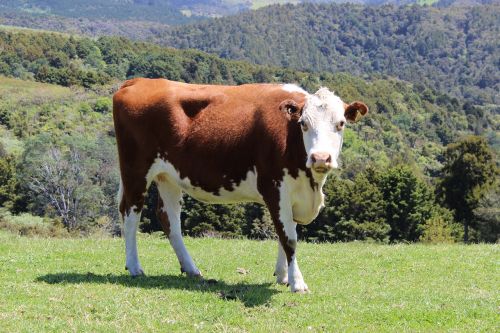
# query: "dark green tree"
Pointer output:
{"type": "Point", "coordinates": [409, 203]}
{"type": "Point", "coordinates": [487, 217]}
{"type": "Point", "coordinates": [469, 172]}
{"type": "Point", "coordinates": [202, 219]}
{"type": "Point", "coordinates": [354, 211]}
{"type": "Point", "coordinates": [9, 185]}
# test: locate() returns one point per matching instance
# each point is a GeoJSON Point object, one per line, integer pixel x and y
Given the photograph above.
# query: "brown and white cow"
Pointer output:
{"type": "Point", "coordinates": [268, 143]}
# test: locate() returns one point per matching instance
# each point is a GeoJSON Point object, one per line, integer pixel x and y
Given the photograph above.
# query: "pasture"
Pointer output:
{"type": "Point", "coordinates": [81, 285]}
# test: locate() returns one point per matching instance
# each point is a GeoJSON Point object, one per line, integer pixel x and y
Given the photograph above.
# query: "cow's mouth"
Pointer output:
{"type": "Point", "coordinates": [322, 169]}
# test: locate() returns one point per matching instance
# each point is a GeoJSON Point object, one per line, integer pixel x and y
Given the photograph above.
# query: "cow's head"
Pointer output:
{"type": "Point", "coordinates": [323, 120]}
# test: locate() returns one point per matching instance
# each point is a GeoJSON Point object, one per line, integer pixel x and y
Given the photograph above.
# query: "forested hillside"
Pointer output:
{"type": "Point", "coordinates": [164, 11]}
{"type": "Point", "coordinates": [92, 27]}
{"type": "Point", "coordinates": [142, 10]}
{"type": "Point", "coordinates": [65, 127]}
{"type": "Point", "coordinates": [454, 50]}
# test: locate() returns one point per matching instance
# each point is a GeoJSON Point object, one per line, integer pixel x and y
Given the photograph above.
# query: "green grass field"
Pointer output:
{"type": "Point", "coordinates": [81, 285]}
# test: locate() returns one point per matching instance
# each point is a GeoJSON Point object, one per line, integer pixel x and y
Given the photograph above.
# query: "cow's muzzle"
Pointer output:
{"type": "Point", "coordinates": [322, 162]}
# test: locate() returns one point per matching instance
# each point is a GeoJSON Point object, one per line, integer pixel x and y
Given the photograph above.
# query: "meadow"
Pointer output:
{"type": "Point", "coordinates": [79, 284]}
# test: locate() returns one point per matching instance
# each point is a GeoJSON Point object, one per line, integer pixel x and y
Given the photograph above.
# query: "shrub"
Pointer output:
{"type": "Point", "coordinates": [28, 225]}
{"type": "Point", "coordinates": [436, 230]}
{"type": "Point", "coordinates": [103, 105]}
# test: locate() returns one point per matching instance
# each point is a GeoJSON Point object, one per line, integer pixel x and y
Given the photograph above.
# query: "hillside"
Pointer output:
{"type": "Point", "coordinates": [61, 285]}
{"type": "Point", "coordinates": [453, 50]}
{"type": "Point", "coordinates": [164, 11]}
{"type": "Point", "coordinates": [67, 114]}
{"type": "Point", "coordinates": [168, 11]}
{"type": "Point", "coordinates": [92, 27]}
{"type": "Point", "coordinates": [159, 11]}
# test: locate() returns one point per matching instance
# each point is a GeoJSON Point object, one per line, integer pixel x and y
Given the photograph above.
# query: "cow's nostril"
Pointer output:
{"type": "Point", "coordinates": [329, 159]}
{"type": "Point", "coordinates": [313, 158]}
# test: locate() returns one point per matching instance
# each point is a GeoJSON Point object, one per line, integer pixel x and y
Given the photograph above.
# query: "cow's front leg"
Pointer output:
{"type": "Point", "coordinates": [281, 270]}
{"type": "Point", "coordinates": [280, 208]}
{"type": "Point", "coordinates": [295, 278]}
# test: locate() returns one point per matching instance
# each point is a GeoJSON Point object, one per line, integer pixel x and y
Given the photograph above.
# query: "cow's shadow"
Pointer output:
{"type": "Point", "coordinates": [249, 294]}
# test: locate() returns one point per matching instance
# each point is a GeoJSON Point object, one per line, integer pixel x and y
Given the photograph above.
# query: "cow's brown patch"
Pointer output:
{"type": "Point", "coordinates": [163, 217]}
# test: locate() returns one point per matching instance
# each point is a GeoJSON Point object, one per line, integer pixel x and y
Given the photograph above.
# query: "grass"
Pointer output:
{"type": "Point", "coordinates": [15, 28]}
{"type": "Point", "coordinates": [13, 86]}
{"type": "Point", "coordinates": [426, 2]}
{"type": "Point", "coordinates": [256, 4]}
{"type": "Point", "coordinates": [81, 285]}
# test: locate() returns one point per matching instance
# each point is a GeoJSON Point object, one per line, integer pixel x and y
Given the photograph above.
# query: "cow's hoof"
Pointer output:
{"type": "Point", "coordinates": [193, 273]}
{"type": "Point", "coordinates": [136, 271]}
{"type": "Point", "coordinates": [300, 287]}
{"type": "Point", "coordinates": [302, 291]}
{"type": "Point", "coordinates": [282, 279]}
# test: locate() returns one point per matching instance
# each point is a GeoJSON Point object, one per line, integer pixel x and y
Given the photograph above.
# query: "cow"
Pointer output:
{"type": "Point", "coordinates": [272, 144]}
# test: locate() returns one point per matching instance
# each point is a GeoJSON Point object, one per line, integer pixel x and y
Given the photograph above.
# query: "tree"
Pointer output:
{"type": "Point", "coordinates": [8, 181]}
{"type": "Point", "coordinates": [468, 173]}
{"type": "Point", "coordinates": [63, 179]}
{"type": "Point", "coordinates": [201, 219]}
{"type": "Point", "coordinates": [409, 203]}
{"type": "Point", "coordinates": [354, 211]}
{"type": "Point", "coordinates": [487, 217]}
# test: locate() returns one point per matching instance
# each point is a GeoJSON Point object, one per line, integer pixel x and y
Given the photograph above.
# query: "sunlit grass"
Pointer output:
{"type": "Point", "coordinates": [81, 285]}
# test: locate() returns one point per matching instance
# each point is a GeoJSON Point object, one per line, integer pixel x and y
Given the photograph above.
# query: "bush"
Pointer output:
{"type": "Point", "coordinates": [263, 227]}
{"type": "Point", "coordinates": [28, 225]}
{"type": "Point", "coordinates": [436, 230]}
{"type": "Point", "coordinates": [103, 105]}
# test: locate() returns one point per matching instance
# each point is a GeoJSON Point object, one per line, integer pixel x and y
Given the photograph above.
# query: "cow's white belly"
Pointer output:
{"type": "Point", "coordinates": [244, 191]}
{"type": "Point", "coordinates": [305, 201]}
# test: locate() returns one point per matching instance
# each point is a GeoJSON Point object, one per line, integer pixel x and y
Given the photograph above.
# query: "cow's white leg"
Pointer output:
{"type": "Point", "coordinates": [171, 195]}
{"type": "Point", "coordinates": [295, 279]}
{"type": "Point", "coordinates": [281, 270]}
{"type": "Point", "coordinates": [131, 220]}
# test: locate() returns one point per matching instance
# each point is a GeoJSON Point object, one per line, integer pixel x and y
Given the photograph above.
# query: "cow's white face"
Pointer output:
{"type": "Point", "coordinates": [323, 121]}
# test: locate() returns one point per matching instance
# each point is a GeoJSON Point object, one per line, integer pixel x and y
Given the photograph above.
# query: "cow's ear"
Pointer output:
{"type": "Point", "coordinates": [292, 109]}
{"type": "Point", "coordinates": [355, 111]}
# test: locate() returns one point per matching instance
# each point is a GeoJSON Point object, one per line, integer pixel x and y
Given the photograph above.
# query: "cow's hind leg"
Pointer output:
{"type": "Point", "coordinates": [169, 214]}
{"type": "Point", "coordinates": [130, 209]}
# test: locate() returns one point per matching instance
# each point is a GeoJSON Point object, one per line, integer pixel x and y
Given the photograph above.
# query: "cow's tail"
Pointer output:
{"type": "Point", "coordinates": [119, 197]}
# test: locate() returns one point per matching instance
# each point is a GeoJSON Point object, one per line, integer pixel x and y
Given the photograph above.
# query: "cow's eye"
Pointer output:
{"type": "Point", "coordinates": [340, 125]}
{"type": "Point", "coordinates": [303, 125]}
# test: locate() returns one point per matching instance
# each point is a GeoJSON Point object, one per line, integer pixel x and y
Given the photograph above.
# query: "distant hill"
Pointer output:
{"type": "Point", "coordinates": [93, 27]}
{"type": "Point", "coordinates": [453, 49]}
{"type": "Point", "coordinates": [141, 10]}
{"type": "Point", "coordinates": [168, 11]}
